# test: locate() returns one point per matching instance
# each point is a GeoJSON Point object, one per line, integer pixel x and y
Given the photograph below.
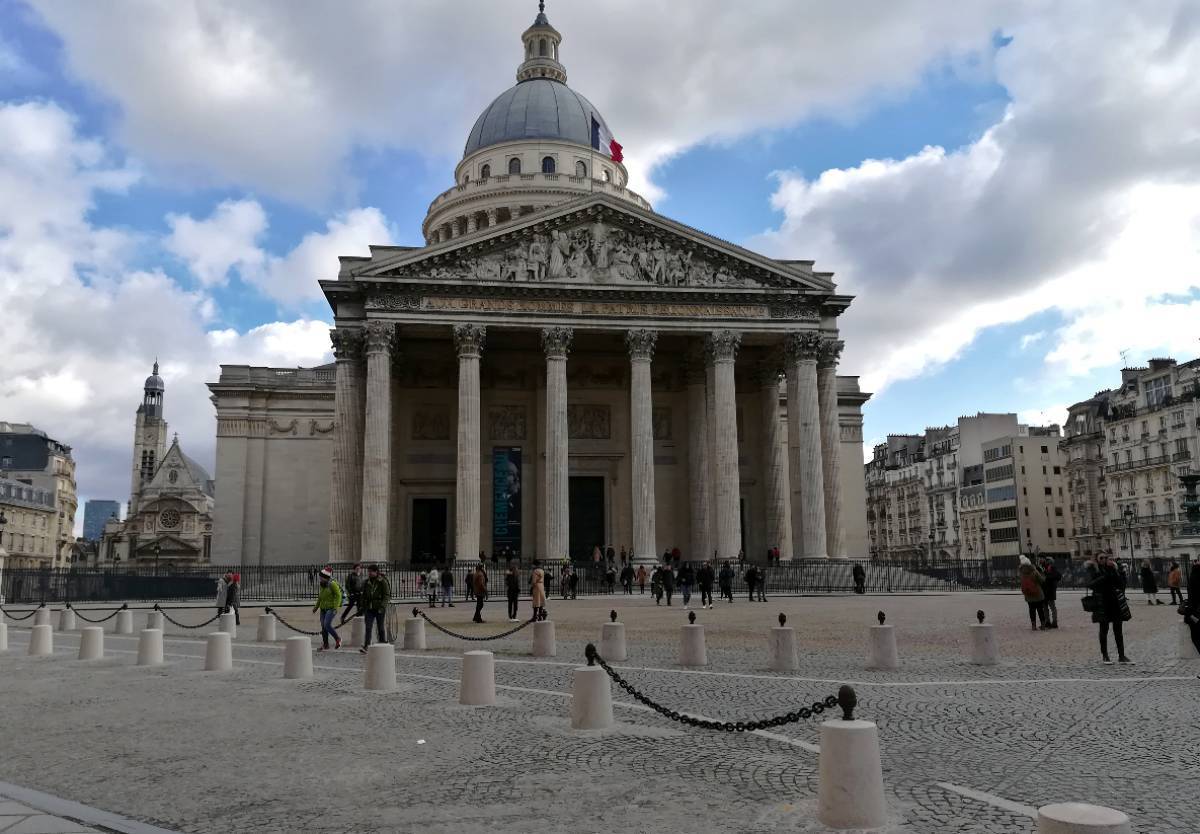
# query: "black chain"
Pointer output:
{"type": "Point", "coordinates": [79, 614]}
{"type": "Point", "coordinates": [12, 616]}
{"type": "Point", "coordinates": [469, 637]}
{"type": "Point", "coordinates": [802, 714]}
{"type": "Point", "coordinates": [286, 624]}
{"type": "Point", "coordinates": [178, 624]}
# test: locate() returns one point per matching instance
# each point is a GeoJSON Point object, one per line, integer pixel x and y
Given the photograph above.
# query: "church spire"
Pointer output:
{"type": "Point", "coordinates": [541, 50]}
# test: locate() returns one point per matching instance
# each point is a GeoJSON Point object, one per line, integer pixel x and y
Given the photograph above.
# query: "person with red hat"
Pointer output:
{"type": "Point", "coordinates": [329, 600]}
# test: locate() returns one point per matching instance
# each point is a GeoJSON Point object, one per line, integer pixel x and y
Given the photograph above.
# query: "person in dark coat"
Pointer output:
{"type": "Point", "coordinates": [725, 580]}
{"type": "Point", "coordinates": [1052, 576]}
{"type": "Point", "coordinates": [668, 581]}
{"type": "Point", "coordinates": [1150, 584]}
{"type": "Point", "coordinates": [751, 577]}
{"type": "Point", "coordinates": [353, 589]}
{"type": "Point", "coordinates": [705, 578]}
{"type": "Point", "coordinates": [1107, 583]}
{"type": "Point", "coordinates": [478, 582]}
{"type": "Point", "coordinates": [512, 588]}
{"type": "Point", "coordinates": [1191, 609]}
{"type": "Point", "coordinates": [860, 579]}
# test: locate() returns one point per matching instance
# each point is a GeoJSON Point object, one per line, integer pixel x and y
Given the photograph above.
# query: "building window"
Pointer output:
{"type": "Point", "coordinates": [1058, 470]}
{"type": "Point", "coordinates": [1157, 392]}
{"type": "Point", "coordinates": [547, 165]}
{"type": "Point", "coordinates": [485, 172]}
{"type": "Point", "coordinates": [581, 169]}
{"type": "Point", "coordinates": [542, 48]}
{"type": "Point", "coordinates": [514, 165]}
{"type": "Point", "coordinates": [1059, 531]}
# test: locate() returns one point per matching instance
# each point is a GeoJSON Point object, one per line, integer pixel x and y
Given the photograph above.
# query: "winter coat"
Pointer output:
{"type": "Point", "coordinates": [1108, 584]}
{"type": "Point", "coordinates": [751, 576]}
{"type": "Point", "coordinates": [376, 593]}
{"type": "Point", "coordinates": [1032, 581]}
{"type": "Point", "coordinates": [1050, 584]}
{"type": "Point", "coordinates": [687, 576]}
{"type": "Point", "coordinates": [512, 584]}
{"type": "Point", "coordinates": [432, 579]}
{"type": "Point", "coordinates": [329, 597]}
{"type": "Point", "coordinates": [539, 588]}
{"type": "Point", "coordinates": [233, 594]}
{"type": "Point", "coordinates": [1175, 577]}
{"type": "Point", "coordinates": [667, 577]}
{"type": "Point", "coordinates": [705, 577]}
{"type": "Point", "coordinates": [859, 573]}
{"type": "Point", "coordinates": [447, 579]}
{"type": "Point", "coordinates": [353, 584]}
{"type": "Point", "coordinates": [1193, 598]}
{"type": "Point", "coordinates": [222, 592]}
{"type": "Point", "coordinates": [1149, 582]}
{"type": "Point", "coordinates": [725, 577]}
{"type": "Point", "coordinates": [479, 584]}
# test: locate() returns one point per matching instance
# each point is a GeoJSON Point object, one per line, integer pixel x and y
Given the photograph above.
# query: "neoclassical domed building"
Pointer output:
{"type": "Point", "coordinates": [559, 368]}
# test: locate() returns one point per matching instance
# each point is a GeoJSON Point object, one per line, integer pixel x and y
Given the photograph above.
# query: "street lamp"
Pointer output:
{"type": "Point", "coordinates": [1129, 515]}
{"type": "Point", "coordinates": [157, 551]}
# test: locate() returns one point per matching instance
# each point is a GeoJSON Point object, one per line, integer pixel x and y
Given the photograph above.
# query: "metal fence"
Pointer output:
{"type": "Point", "coordinates": [290, 582]}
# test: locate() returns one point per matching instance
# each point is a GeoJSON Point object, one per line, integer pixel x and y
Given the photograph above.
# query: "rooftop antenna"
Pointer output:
{"type": "Point", "coordinates": [1125, 358]}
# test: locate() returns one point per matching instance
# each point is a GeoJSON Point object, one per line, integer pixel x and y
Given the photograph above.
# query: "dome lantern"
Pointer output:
{"type": "Point", "coordinates": [541, 42]}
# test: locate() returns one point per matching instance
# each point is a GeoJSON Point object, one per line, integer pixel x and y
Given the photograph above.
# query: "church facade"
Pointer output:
{"type": "Point", "coordinates": [558, 369]}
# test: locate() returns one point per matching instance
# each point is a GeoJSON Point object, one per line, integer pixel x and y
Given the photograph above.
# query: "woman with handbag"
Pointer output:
{"type": "Point", "coordinates": [1108, 605]}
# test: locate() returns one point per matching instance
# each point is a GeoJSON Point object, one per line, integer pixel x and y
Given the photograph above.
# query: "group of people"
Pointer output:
{"type": "Point", "coordinates": [229, 595]}
{"type": "Point", "coordinates": [369, 597]}
{"type": "Point", "coordinates": [1039, 587]}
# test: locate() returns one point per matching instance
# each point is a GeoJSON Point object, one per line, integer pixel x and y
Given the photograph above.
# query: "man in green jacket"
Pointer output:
{"type": "Point", "coordinates": [329, 600]}
{"type": "Point", "coordinates": [376, 594]}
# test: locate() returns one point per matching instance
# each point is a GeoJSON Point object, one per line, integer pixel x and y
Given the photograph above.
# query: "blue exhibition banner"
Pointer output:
{"type": "Point", "coordinates": [506, 501]}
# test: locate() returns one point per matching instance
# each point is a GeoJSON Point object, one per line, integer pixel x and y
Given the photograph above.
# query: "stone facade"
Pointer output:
{"type": "Point", "coordinates": [31, 458]}
{"type": "Point", "coordinates": [27, 537]}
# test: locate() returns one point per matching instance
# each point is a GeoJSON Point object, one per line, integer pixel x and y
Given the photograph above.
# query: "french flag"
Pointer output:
{"type": "Point", "coordinates": [604, 142]}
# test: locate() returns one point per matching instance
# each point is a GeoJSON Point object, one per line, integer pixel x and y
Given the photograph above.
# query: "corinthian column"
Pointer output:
{"type": "Point", "coordinates": [831, 444]}
{"type": "Point", "coordinates": [345, 516]}
{"type": "Point", "coordinates": [556, 342]}
{"type": "Point", "coordinates": [721, 348]}
{"type": "Point", "coordinates": [775, 464]}
{"type": "Point", "coordinates": [804, 445]}
{"type": "Point", "coordinates": [699, 474]}
{"type": "Point", "coordinates": [641, 429]}
{"type": "Point", "coordinates": [468, 340]}
{"type": "Point", "coordinates": [377, 442]}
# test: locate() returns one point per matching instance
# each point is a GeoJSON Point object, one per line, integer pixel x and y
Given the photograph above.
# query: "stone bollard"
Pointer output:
{"type": "Point", "coordinates": [154, 619]}
{"type": "Point", "coordinates": [850, 775]}
{"type": "Point", "coordinates": [984, 651]}
{"type": "Point", "coordinates": [218, 654]}
{"type": "Point", "coordinates": [692, 651]}
{"type": "Point", "coordinates": [477, 684]}
{"type": "Point", "coordinates": [41, 640]}
{"type": "Point", "coordinates": [66, 620]}
{"type": "Point", "coordinates": [227, 624]}
{"type": "Point", "coordinates": [124, 622]}
{"type": "Point", "coordinates": [356, 631]}
{"type": "Point", "coordinates": [783, 647]}
{"type": "Point", "coordinates": [380, 673]}
{"type": "Point", "coordinates": [42, 616]}
{"type": "Point", "coordinates": [91, 643]}
{"type": "Point", "coordinates": [1185, 649]}
{"type": "Point", "coordinates": [150, 647]}
{"type": "Point", "coordinates": [612, 642]}
{"type": "Point", "coordinates": [1078, 818]}
{"type": "Point", "coordinates": [591, 696]}
{"type": "Point", "coordinates": [297, 658]}
{"type": "Point", "coordinates": [883, 653]}
{"type": "Point", "coordinates": [543, 639]}
{"type": "Point", "coordinates": [414, 633]}
{"type": "Point", "coordinates": [266, 628]}
{"type": "Point", "coordinates": [3, 637]}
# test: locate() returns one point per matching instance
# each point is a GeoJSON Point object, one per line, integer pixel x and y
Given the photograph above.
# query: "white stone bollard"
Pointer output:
{"type": "Point", "coordinates": [591, 699]}
{"type": "Point", "coordinates": [612, 642]}
{"type": "Point", "coordinates": [477, 684]}
{"type": "Point", "coordinates": [543, 639]}
{"type": "Point", "coordinates": [984, 650]}
{"type": "Point", "coordinates": [1078, 818]}
{"type": "Point", "coordinates": [218, 654]}
{"type": "Point", "coordinates": [297, 658]}
{"type": "Point", "coordinates": [66, 620]}
{"type": "Point", "coordinates": [783, 649]}
{"type": "Point", "coordinates": [692, 651]}
{"type": "Point", "coordinates": [414, 634]}
{"type": "Point", "coordinates": [150, 647]}
{"type": "Point", "coordinates": [380, 673]}
{"type": "Point", "coordinates": [41, 640]}
{"type": "Point", "coordinates": [91, 643]}
{"type": "Point", "coordinates": [266, 628]}
{"type": "Point", "coordinates": [1186, 649]}
{"type": "Point", "coordinates": [228, 625]}
{"type": "Point", "coordinates": [883, 648]}
{"type": "Point", "coordinates": [850, 780]}
{"type": "Point", "coordinates": [42, 617]}
{"type": "Point", "coordinates": [3, 637]}
{"type": "Point", "coordinates": [356, 631]}
{"type": "Point", "coordinates": [124, 622]}
{"type": "Point", "coordinates": [154, 619]}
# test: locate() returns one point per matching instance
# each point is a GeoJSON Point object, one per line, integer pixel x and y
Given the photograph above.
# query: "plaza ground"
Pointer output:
{"type": "Point", "coordinates": [965, 749]}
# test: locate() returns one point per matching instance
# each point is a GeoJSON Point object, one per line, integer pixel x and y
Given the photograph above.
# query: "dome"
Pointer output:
{"type": "Point", "coordinates": [154, 381]}
{"type": "Point", "coordinates": [539, 108]}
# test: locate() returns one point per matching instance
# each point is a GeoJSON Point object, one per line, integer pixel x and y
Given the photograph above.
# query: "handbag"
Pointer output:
{"type": "Point", "coordinates": [1091, 603]}
{"type": "Point", "coordinates": [1126, 614]}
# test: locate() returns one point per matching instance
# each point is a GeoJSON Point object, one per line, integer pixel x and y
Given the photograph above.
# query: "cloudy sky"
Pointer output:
{"type": "Point", "coordinates": [1011, 189]}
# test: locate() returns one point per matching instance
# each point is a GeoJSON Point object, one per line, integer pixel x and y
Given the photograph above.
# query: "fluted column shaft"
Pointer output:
{"type": "Point", "coordinates": [699, 474]}
{"type": "Point", "coordinates": [722, 348]}
{"type": "Point", "coordinates": [345, 516]}
{"type": "Point", "coordinates": [831, 445]}
{"type": "Point", "coordinates": [468, 341]}
{"type": "Point", "coordinates": [556, 342]}
{"type": "Point", "coordinates": [641, 430]}
{"type": "Point", "coordinates": [377, 442]}
{"type": "Point", "coordinates": [804, 441]}
{"type": "Point", "coordinates": [775, 466]}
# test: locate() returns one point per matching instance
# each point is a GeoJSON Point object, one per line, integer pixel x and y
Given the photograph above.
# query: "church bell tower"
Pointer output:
{"type": "Point", "coordinates": [149, 437]}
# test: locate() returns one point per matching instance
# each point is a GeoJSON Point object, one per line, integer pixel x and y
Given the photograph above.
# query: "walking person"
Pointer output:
{"type": "Point", "coordinates": [469, 587]}
{"type": "Point", "coordinates": [626, 579]}
{"type": "Point", "coordinates": [751, 577]}
{"type": "Point", "coordinates": [1150, 584]}
{"type": "Point", "coordinates": [1032, 582]}
{"type": "Point", "coordinates": [479, 583]}
{"type": "Point", "coordinates": [512, 589]}
{"type": "Point", "coordinates": [860, 579]}
{"type": "Point", "coordinates": [1110, 608]}
{"type": "Point", "coordinates": [537, 595]}
{"type": "Point", "coordinates": [374, 596]}
{"type": "Point", "coordinates": [233, 597]}
{"type": "Point", "coordinates": [1174, 583]}
{"type": "Point", "coordinates": [1051, 578]}
{"type": "Point", "coordinates": [684, 578]}
{"type": "Point", "coordinates": [223, 591]}
{"type": "Point", "coordinates": [668, 581]}
{"type": "Point", "coordinates": [725, 580]}
{"type": "Point", "coordinates": [432, 580]}
{"type": "Point", "coordinates": [656, 586]}
{"type": "Point", "coordinates": [760, 584]}
{"type": "Point", "coordinates": [353, 590]}
{"type": "Point", "coordinates": [573, 583]}
{"type": "Point", "coordinates": [705, 578]}
{"type": "Point", "coordinates": [447, 579]}
{"type": "Point", "coordinates": [641, 578]}
{"type": "Point", "coordinates": [329, 600]}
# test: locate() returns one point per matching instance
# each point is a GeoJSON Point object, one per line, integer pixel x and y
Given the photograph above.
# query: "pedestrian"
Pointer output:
{"type": "Point", "coordinates": [1191, 609]}
{"type": "Point", "coordinates": [447, 579]}
{"type": "Point", "coordinates": [667, 575]}
{"type": "Point", "coordinates": [1174, 581]}
{"type": "Point", "coordinates": [596, 555]}
{"type": "Point", "coordinates": [1051, 578]}
{"type": "Point", "coordinates": [537, 595]}
{"type": "Point", "coordinates": [641, 578]}
{"type": "Point", "coordinates": [1108, 605]}
{"type": "Point", "coordinates": [656, 590]}
{"type": "Point", "coordinates": [223, 591]}
{"type": "Point", "coordinates": [1150, 584]}
{"type": "Point", "coordinates": [573, 583]}
{"type": "Point", "coordinates": [610, 579]}
{"type": "Point", "coordinates": [627, 579]}
{"type": "Point", "coordinates": [374, 596]}
{"type": "Point", "coordinates": [624, 555]}
{"type": "Point", "coordinates": [479, 583]}
{"type": "Point", "coordinates": [468, 587]}
{"type": "Point", "coordinates": [760, 584]}
{"type": "Point", "coordinates": [741, 559]}
{"type": "Point", "coordinates": [1032, 581]}
{"type": "Point", "coordinates": [432, 580]}
{"type": "Point", "coordinates": [329, 600]}
{"type": "Point", "coordinates": [704, 579]}
{"type": "Point", "coordinates": [610, 554]}
{"type": "Point", "coordinates": [725, 580]}
{"type": "Point", "coordinates": [353, 590]}
{"type": "Point", "coordinates": [233, 598]}
{"type": "Point", "coordinates": [860, 579]}
{"type": "Point", "coordinates": [684, 579]}
{"type": "Point", "coordinates": [512, 589]}
{"type": "Point", "coordinates": [751, 577]}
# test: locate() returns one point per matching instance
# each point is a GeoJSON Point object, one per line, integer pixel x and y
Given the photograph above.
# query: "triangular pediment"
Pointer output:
{"type": "Point", "coordinates": [597, 241]}
{"type": "Point", "coordinates": [174, 473]}
{"type": "Point", "coordinates": [167, 544]}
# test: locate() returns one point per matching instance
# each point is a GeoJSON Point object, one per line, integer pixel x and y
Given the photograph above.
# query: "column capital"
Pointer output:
{"type": "Point", "coordinates": [641, 343]}
{"type": "Point", "coordinates": [831, 349]}
{"type": "Point", "coordinates": [556, 341]}
{"type": "Point", "coordinates": [802, 347]}
{"type": "Point", "coordinates": [380, 336]}
{"type": "Point", "coordinates": [347, 343]}
{"type": "Point", "coordinates": [722, 346]}
{"type": "Point", "coordinates": [468, 339]}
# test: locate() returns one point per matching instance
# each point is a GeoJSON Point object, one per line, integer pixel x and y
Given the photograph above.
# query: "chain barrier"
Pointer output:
{"type": "Point", "coordinates": [845, 697]}
{"type": "Point", "coordinates": [178, 624]}
{"type": "Point", "coordinates": [12, 616]}
{"type": "Point", "coordinates": [80, 615]}
{"type": "Point", "coordinates": [286, 624]}
{"type": "Point", "coordinates": [474, 639]}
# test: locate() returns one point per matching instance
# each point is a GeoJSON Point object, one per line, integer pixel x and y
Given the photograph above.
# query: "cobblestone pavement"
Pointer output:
{"type": "Point", "coordinates": [966, 749]}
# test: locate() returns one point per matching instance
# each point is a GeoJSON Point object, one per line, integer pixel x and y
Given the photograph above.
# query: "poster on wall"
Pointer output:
{"type": "Point", "coordinates": [506, 501]}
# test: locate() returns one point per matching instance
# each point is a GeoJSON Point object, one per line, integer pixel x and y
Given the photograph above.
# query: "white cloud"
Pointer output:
{"type": "Point", "coordinates": [227, 239]}
{"type": "Point", "coordinates": [1032, 339]}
